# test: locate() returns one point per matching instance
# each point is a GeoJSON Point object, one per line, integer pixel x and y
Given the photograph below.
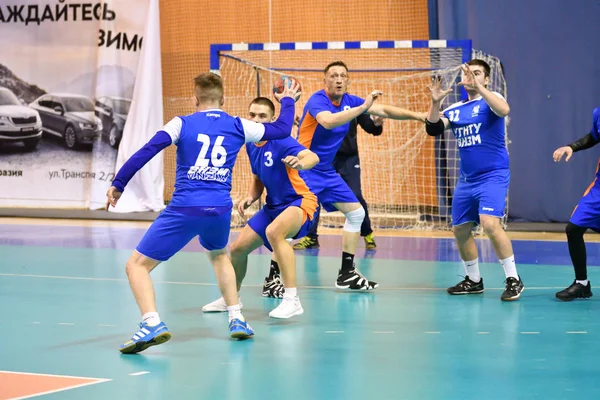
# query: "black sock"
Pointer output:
{"type": "Point", "coordinates": [274, 269]}
{"type": "Point", "coordinates": [347, 261]}
{"type": "Point", "coordinates": [577, 250]}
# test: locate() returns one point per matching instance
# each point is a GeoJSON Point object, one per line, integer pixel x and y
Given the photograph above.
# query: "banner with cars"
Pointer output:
{"type": "Point", "coordinates": [67, 72]}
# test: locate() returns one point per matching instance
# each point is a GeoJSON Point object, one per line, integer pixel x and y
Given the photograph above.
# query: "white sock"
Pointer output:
{"type": "Point", "coordinates": [584, 283]}
{"type": "Point", "coordinates": [151, 318]}
{"type": "Point", "coordinates": [290, 292]}
{"type": "Point", "coordinates": [472, 270]}
{"type": "Point", "coordinates": [510, 268]}
{"type": "Point", "coordinates": [235, 312]}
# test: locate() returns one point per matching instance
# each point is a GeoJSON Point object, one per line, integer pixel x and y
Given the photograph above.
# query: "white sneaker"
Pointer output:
{"type": "Point", "coordinates": [288, 307]}
{"type": "Point", "coordinates": [218, 306]}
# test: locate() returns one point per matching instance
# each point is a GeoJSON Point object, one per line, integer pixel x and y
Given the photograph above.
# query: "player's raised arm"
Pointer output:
{"type": "Point", "coordinates": [387, 111]}
{"type": "Point", "coordinates": [497, 103]}
{"type": "Point", "coordinates": [168, 135]}
{"type": "Point", "coordinates": [280, 128]}
{"type": "Point", "coordinates": [434, 124]}
{"type": "Point", "coordinates": [329, 120]}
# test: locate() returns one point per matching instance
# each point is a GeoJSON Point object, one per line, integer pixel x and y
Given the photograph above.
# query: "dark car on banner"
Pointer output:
{"type": "Point", "coordinates": [113, 113]}
{"type": "Point", "coordinates": [18, 122]}
{"type": "Point", "coordinates": [70, 117]}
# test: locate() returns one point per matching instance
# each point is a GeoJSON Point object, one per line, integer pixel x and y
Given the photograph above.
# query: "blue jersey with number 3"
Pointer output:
{"type": "Point", "coordinates": [283, 184]}
{"type": "Point", "coordinates": [480, 137]}
{"type": "Point", "coordinates": [208, 143]}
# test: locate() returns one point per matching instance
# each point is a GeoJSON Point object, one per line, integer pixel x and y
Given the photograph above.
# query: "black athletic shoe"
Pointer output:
{"type": "Point", "coordinates": [354, 280]}
{"type": "Point", "coordinates": [514, 288]}
{"type": "Point", "coordinates": [273, 287]}
{"type": "Point", "coordinates": [575, 291]}
{"type": "Point", "coordinates": [466, 286]}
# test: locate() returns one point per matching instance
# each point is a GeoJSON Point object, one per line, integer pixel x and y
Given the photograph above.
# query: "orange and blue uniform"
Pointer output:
{"type": "Point", "coordinates": [285, 188]}
{"type": "Point", "coordinates": [587, 211]}
{"type": "Point", "coordinates": [326, 183]}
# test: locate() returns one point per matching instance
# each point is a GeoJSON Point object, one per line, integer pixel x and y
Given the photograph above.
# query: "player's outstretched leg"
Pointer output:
{"type": "Point", "coordinates": [473, 282]}
{"type": "Point", "coordinates": [504, 251]}
{"type": "Point", "coordinates": [152, 331]}
{"type": "Point", "coordinates": [288, 223]}
{"type": "Point", "coordinates": [245, 243]}
{"type": "Point", "coordinates": [349, 277]}
{"type": "Point", "coordinates": [581, 287]}
{"type": "Point", "coordinates": [226, 279]}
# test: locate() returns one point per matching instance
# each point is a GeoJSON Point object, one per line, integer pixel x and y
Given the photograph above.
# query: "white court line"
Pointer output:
{"type": "Point", "coordinates": [35, 322]}
{"type": "Point", "coordinates": [577, 332]}
{"type": "Point", "coordinates": [258, 285]}
{"type": "Point", "coordinates": [66, 323]}
{"type": "Point", "coordinates": [529, 333]}
{"type": "Point", "coordinates": [334, 331]}
{"type": "Point", "coordinates": [432, 333]}
{"type": "Point", "coordinates": [483, 333]}
{"type": "Point", "coordinates": [139, 373]}
{"type": "Point", "coordinates": [96, 380]}
{"type": "Point", "coordinates": [383, 332]}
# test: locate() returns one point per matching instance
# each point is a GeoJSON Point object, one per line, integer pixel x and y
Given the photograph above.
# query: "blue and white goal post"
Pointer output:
{"type": "Point", "coordinates": [407, 177]}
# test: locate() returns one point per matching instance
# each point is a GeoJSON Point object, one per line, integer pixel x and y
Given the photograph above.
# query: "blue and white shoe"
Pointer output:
{"type": "Point", "coordinates": [239, 329]}
{"type": "Point", "coordinates": [147, 336]}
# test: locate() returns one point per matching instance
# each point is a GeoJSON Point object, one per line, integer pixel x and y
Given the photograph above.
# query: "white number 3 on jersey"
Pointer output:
{"type": "Point", "coordinates": [269, 156]}
{"type": "Point", "coordinates": [453, 115]}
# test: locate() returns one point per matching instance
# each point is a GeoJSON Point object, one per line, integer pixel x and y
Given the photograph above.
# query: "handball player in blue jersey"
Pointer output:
{"type": "Point", "coordinates": [208, 142]}
{"type": "Point", "coordinates": [324, 124]}
{"type": "Point", "coordinates": [289, 210]}
{"type": "Point", "coordinates": [585, 216]}
{"type": "Point", "coordinates": [480, 194]}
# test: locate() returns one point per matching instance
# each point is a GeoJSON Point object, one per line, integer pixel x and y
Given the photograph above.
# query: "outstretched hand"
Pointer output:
{"type": "Point", "coordinates": [435, 89]}
{"type": "Point", "coordinates": [560, 152]}
{"type": "Point", "coordinates": [468, 79]}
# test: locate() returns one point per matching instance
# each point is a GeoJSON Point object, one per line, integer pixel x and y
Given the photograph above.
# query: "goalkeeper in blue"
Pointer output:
{"type": "Point", "coordinates": [208, 142]}
{"type": "Point", "coordinates": [480, 194]}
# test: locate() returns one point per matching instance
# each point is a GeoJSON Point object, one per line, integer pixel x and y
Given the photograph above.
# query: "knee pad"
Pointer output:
{"type": "Point", "coordinates": [354, 220]}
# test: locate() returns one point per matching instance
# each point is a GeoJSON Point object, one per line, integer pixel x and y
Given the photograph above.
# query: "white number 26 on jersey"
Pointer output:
{"type": "Point", "coordinates": [218, 155]}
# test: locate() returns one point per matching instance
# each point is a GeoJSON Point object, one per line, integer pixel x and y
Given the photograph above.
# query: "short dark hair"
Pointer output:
{"type": "Point", "coordinates": [208, 87]}
{"type": "Point", "coordinates": [335, 64]}
{"type": "Point", "coordinates": [263, 101]}
{"type": "Point", "coordinates": [481, 63]}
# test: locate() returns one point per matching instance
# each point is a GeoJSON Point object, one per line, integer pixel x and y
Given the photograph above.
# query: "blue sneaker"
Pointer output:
{"type": "Point", "coordinates": [239, 329]}
{"type": "Point", "coordinates": [147, 336]}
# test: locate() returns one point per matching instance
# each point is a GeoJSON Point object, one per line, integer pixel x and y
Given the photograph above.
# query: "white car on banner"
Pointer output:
{"type": "Point", "coordinates": [18, 123]}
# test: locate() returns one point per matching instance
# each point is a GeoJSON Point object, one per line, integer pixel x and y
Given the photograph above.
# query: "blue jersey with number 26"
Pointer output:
{"type": "Point", "coordinates": [208, 143]}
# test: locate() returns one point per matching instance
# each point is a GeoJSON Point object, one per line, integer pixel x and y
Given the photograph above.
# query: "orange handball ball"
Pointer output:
{"type": "Point", "coordinates": [278, 86]}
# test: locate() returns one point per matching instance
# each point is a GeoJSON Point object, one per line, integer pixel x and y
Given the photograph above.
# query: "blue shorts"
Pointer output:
{"type": "Point", "coordinates": [329, 187]}
{"type": "Point", "coordinates": [587, 212]}
{"type": "Point", "coordinates": [485, 196]}
{"type": "Point", "coordinates": [267, 214]}
{"type": "Point", "coordinates": [172, 230]}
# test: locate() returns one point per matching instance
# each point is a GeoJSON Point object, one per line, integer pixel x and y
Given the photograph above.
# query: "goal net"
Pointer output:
{"type": "Point", "coordinates": [407, 177]}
